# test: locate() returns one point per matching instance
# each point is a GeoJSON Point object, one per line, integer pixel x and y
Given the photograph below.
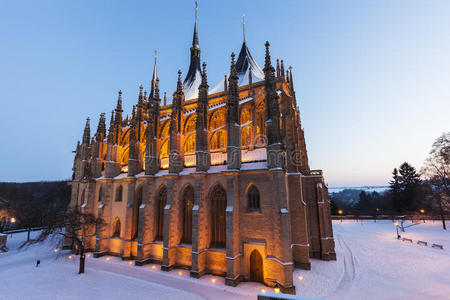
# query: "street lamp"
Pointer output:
{"type": "Point", "coordinates": [396, 226]}
{"type": "Point", "coordinates": [376, 215]}
{"type": "Point", "coordinates": [422, 211]}
{"type": "Point", "coordinates": [340, 213]}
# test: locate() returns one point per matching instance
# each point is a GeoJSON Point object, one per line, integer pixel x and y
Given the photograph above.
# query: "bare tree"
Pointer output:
{"type": "Point", "coordinates": [437, 172]}
{"type": "Point", "coordinates": [74, 223]}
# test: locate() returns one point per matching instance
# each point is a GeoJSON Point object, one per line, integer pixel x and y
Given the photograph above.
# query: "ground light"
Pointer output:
{"type": "Point", "coordinates": [422, 211]}
{"type": "Point", "coordinates": [179, 273]}
{"type": "Point", "coordinates": [130, 263]}
{"type": "Point", "coordinates": [276, 290]}
{"type": "Point", "coordinates": [13, 220]}
{"type": "Point", "coordinates": [69, 257]}
{"type": "Point", "coordinates": [108, 258]}
{"type": "Point", "coordinates": [396, 226]}
{"type": "Point", "coordinates": [300, 277]}
{"type": "Point", "coordinates": [263, 291]}
{"type": "Point", "coordinates": [213, 280]}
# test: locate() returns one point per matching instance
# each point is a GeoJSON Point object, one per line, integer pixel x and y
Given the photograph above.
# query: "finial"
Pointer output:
{"type": "Point", "coordinates": [278, 67]}
{"type": "Point", "coordinates": [165, 98]}
{"type": "Point", "coordinates": [145, 95]}
{"type": "Point", "coordinates": [204, 77]}
{"type": "Point", "coordinates": [243, 26]}
{"type": "Point", "coordinates": [156, 55]}
{"type": "Point", "coordinates": [225, 87]}
{"type": "Point", "coordinates": [282, 68]}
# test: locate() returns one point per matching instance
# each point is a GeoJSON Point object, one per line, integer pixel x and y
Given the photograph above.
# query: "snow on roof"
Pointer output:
{"type": "Point", "coordinates": [244, 65]}
{"type": "Point", "coordinates": [191, 84]}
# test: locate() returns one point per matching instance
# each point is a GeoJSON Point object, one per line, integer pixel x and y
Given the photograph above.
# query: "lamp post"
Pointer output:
{"type": "Point", "coordinates": [340, 213]}
{"type": "Point", "coordinates": [376, 215]}
{"type": "Point", "coordinates": [396, 226]}
{"type": "Point", "coordinates": [422, 211]}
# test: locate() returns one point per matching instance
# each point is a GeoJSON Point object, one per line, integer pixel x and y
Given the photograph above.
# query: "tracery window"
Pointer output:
{"type": "Point", "coordinates": [159, 213]}
{"type": "Point", "coordinates": [246, 136]}
{"type": "Point", "coordinates": [189, 144]}
{"type": "Point", "coordinates": [188, 203]}
{"type": "Point", "coordinates": [246, 114]}
{"type": "Point", "coordinates": [218, 140]}
{"type": "Point", "coordinates": [253, 201]}
{"type": "Point", "coordinates": [218, 221]}
{"type": "Point", "coordinates": [190, 124]}
{"type": "Point", "coordinates": [164, 151]}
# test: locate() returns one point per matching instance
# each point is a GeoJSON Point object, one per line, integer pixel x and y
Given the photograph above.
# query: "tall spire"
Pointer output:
{"type": "Point", "coordinates": [154, 78]}
{"type": "Point", "coordinates": [194, 74]}
{"type": "Point", "coordinates": [195, 38]}
{"type": "Point", "coordinates": [243, 27]}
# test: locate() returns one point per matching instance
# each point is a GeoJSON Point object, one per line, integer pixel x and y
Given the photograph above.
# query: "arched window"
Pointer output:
{"type": "Point", "coordinates": [189, 144]}
{"type": "Point", "coordinates": [188, 203]}
{"type": "Point", "coordinates": [137, 204]}
{"type": "Point", "coordinates": [119, 192]}
{"type": "Point", "coordinates": [100, 194]}
{"type": "Point", "coordinates": [116, 228]}
{"type": "Point", "coordinates": [253, 204]}
{"type": "Point", "coordinates": [246, 114]}
{"type": "Point", "coordinates": [246, 136]}
{"type": "Point", "coordinates": [218, 222]}
{"type": "Point", "coordinates": [82, 197]}
{"type": "Point", "coordinates": [159, 213]}
{"type": "Point", "coordinates": [164, 151]}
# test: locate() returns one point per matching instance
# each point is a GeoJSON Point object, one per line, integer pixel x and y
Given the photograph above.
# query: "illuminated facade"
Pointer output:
{"type": "Point", "coordinates": [216, 182]}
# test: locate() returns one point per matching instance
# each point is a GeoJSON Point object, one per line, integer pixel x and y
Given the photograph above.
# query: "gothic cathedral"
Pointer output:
{"type": "Point", "coordinates": [217, 181]}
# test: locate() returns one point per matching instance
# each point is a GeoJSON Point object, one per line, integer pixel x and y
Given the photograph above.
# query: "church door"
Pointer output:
{"type": "Point", "coordinates": [256, 267]}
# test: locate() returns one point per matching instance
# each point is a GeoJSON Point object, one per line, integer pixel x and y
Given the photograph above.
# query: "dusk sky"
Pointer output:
{"type": "Point", "coordinates": [372, 78]}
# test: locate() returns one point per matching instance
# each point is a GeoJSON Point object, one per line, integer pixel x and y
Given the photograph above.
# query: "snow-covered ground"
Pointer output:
{"type": "Point", "coordinates": [372, 264]}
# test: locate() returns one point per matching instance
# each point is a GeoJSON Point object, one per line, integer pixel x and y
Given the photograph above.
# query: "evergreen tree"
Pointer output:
{"type": "Point", "coordinates": [409, 181]}
{"type": "Point", "coordinates": [395, 190]}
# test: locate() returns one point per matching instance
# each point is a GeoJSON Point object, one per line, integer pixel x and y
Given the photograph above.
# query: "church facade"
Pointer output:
{"type": "Point", "coordinates": [215, 182]}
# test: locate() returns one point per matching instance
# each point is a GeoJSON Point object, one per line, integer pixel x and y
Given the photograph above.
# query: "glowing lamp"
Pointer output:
{"type": "Point", "coordinates": [108, 258]}
{"type": "Point", "coordinates": [396, 223]}
{"type": "Point", "coordinates": [340, 211]}
{"type": "Point", "coordinates": [422, 211]}
{"type": "Point", "coordinates": [130, 263]}
{"type": "Point", "coordinates": [213, 280]}
{"type": "Point", "coordinates": [55, 250]}
{"type": "Point", "coordinates": [300, 277]}
{"type": "Point", "coordinates": [69, 257]}
{"type": "Point", "coordinates": [263, 291]}
{"type": "Point", "coordinates": [276, 290]}
{"type": "Point", "coordinates": [13, 220]}
{"type": "Point", "coordinates": [153, 267]}
{"type": "Point", "coordinates": [179, 273]}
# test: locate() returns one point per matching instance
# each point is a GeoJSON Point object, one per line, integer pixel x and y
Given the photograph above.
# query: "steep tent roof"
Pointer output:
{"type": "Point", "coordinates": [244, 65]}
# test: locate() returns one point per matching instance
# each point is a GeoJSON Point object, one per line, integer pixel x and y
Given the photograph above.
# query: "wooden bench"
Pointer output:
{"type": "Point", "coordinates": [407, 240]}
{"type": "Point", "coordinates": [436, 246]}
{"type": "Point", "coordinates": [422, 243]}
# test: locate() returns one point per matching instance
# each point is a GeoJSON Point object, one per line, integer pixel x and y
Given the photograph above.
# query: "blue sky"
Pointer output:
{"type": "Point", "coordinates": [372, 78]}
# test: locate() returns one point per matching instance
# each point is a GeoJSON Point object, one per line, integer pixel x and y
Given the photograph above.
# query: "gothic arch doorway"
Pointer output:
{"type": "Point", "coordinates": [256, 267]}
{"type": "Point", "coordinates": [218, 222]}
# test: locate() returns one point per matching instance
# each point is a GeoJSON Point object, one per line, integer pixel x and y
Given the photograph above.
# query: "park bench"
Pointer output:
{"type": "Point", "coordinates": [436, 246]}
{"type": "Point", "coordinates": [422, 243]}
{"type": "Point", "coordinates": [407, 240]}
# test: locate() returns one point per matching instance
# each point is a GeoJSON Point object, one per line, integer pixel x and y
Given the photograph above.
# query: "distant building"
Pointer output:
{"type": "Point", "coordinates": [216, 182]}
